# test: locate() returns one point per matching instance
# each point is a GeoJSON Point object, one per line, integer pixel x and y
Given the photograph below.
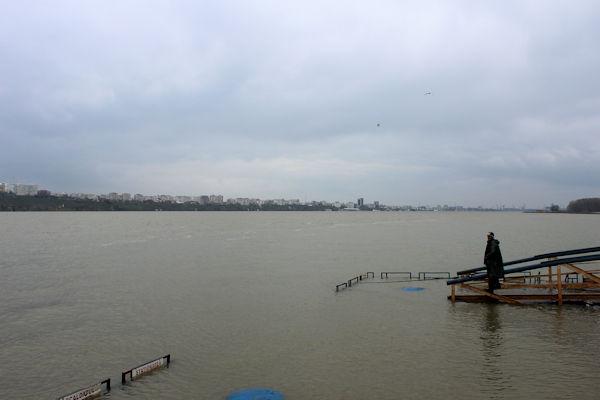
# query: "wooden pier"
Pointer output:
{"type": "Point", "coordinates": [556, 280]}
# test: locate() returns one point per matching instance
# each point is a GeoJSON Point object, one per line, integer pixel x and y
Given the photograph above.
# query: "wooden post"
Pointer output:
{"type": "Point", "coordinates": [453, 293]}
{"type": "Point", "coordinates": [550, 281]}
{"type": "Point", "coordinates": [559, 285]}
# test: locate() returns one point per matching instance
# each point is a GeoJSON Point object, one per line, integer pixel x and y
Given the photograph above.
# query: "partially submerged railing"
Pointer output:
{"type": "Point", "coordinates": [386, 274]}
{"type": "Point", "coordinates": [409, 277]}
{"type": "Point", "coordinates": [433, 275]}
{"type": "Point", "coordinates": [89, 392]}
{"type": "Point", "coordinates": [96, 390]}
{"type": "Point", "coordinates": [145, 368]}
{"type": "Point", "coordinates": [354, 280]}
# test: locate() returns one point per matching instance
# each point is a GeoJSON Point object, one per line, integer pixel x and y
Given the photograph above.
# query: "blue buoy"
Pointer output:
{"type": "Point", "coordinates": [412, 289]}
{"type": "Point", "coordinates": [255, 394]}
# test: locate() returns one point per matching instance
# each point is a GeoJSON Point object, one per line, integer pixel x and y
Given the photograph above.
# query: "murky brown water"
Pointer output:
{"type": "Point", "coordinates": [246, 299]}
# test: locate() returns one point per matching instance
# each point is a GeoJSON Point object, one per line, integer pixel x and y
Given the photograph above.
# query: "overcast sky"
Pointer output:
{"type": "Point", "coordinates": [282, 99]}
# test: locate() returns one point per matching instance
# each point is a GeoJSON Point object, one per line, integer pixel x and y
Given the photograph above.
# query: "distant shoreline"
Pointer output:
{"type": "Point", "coordinates": [13, 203]}
{"type": "Point", "coordinates": [559, 212]}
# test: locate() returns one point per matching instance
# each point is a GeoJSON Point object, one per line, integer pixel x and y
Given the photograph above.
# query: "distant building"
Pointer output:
{"type": "Point", "coordinates": [125, 196]}
{"type": "Point", "coordinates": [215, 199]}
{"type": "Point", "coordinates": [3, 187]}
{"type": "Point", "coordinates": [376, 204]}
{"type": "Point", "coordinates": [204, 200]}
{"type": "Point", "coordinates": [113, 196]}
{"type": "Point", "coordinates": [183, 199]}
{"type": "Point", "coordinates": [25, 190]}
{"type": "Point", "coordinates": [139, 197]}
{"type": "Point", "coordinates": [361, 202]}
{"type": "Point", "coordinates": [85, 196]}
{"type": "Point", "coordinates": [43, 193]}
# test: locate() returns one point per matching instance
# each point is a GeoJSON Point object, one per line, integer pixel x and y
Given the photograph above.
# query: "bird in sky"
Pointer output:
{"type": "Point", "coordinates": [378, 125]}
{"type": "Point", "coordinates": [426, 93]}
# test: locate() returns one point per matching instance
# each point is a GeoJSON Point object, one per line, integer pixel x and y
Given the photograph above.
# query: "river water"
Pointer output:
{"type": "Point", "coordinates": [247, 299]}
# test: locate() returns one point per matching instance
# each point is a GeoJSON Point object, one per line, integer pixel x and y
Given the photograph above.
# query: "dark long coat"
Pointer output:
{"type": "Point", "coordinates": [493, 259]}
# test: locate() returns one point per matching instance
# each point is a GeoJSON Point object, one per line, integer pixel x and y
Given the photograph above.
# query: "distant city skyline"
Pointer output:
{"type": "Point", "coordinates": [411, 102]}
{"type": "Point", "coordinates": [33, 189]}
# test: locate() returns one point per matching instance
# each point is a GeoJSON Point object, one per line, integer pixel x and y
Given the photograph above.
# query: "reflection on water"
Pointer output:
{"type": "Point", "coordinates": [492, 343]}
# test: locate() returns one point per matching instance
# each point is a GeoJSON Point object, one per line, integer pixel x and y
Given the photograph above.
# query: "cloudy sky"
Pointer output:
{"type": "Point", "coordinates": [282, 99]}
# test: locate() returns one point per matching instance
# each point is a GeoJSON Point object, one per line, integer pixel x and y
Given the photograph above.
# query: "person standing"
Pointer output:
{"type": "Point", "coordinates": [493, 262]}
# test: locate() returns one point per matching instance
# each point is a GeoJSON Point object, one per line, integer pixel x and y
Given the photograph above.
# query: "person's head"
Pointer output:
{"type": "Point", "coordinates": [490, 235]}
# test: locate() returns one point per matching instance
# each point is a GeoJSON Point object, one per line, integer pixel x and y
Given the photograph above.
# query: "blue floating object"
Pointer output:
{"type": "Point", "coordinates": [255, 394]}
{"type": "Point", "coordinates": [412, 289]}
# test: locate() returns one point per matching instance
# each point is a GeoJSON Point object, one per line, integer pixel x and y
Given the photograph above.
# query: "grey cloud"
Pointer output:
{"type": "Point", "coordinates": [172, 89]}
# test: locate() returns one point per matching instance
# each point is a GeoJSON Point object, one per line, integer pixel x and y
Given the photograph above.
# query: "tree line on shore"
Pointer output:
{"type": "Point", "coordinates": [587, 205]}
{"type": "Point", "coordinates": [12, 202]}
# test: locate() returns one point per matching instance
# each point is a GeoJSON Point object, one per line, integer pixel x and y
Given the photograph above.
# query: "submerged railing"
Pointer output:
{"type": "Point", "coordinates": [89, 392]}
{"type": "Point", "coordinates": [396, 273]}
{"type": "Point", "coordinates": [433, 275]}
{"type": "Point", "coordinates": [145, 368]}
{"type": "Point", "coordinates": [407, 275]}
{"type": "Point", "coordinates": [354, 280]}
{"type": "Point", "coordinates": [96, 390]}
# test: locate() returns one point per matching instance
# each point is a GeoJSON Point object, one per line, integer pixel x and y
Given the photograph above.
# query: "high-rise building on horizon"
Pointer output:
{"type": "Point", "coordinates": [361, 202]}
{"type": "Point", "coordinates": [25, 190]}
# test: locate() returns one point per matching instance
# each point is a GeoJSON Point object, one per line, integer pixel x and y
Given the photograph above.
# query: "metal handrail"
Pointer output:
{"type": "Point", "coordinates": [534, 258]}
{"type": "Point", "coordinates": [549, 263]}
